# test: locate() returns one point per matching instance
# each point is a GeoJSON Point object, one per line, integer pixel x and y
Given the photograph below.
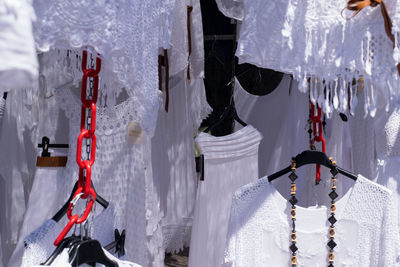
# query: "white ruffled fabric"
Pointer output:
{"type": "Point", "coordinates": [19, 68]}
{"type": "Point", "coordinates": [310, 39]}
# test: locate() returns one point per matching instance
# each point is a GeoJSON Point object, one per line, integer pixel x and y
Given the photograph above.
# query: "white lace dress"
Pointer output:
{"type": "Point", "coordinates": [122, 174]}
{"type": "Point", "coordinates": [17, 48]}
{"type": "Point", "coordinates": [127, 35]}
{"type": "Point", "coordinates": [312, 39]}
{"type": "Point", "coordinates": [229, 162]}
{"type": "Point", "coordinates": [366, 232]}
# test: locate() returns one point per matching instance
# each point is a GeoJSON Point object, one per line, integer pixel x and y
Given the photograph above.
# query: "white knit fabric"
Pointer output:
{"type": "Point", "coordinates": [312, 39]}
{"type": "Point", "coordinates": [17, 48]}
{"type": "Point", "coordinates": [126, 34]}
{"type": "Point", "coordinates": [63, 261]}
{"type": "Point", "coordinates": [366, 231]}
{"type": "Point", "coordinates": [122, 174]}
{"type": "Point", "coordinates": [38, 245]}
{"type": "Point", "coordinates": [229, 162]}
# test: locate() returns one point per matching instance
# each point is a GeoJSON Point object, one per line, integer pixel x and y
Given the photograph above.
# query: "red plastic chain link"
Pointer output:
{"type": "Point", "coordinates": [85, 166]}
{"type": "Point", "coordinates": [317, 135]}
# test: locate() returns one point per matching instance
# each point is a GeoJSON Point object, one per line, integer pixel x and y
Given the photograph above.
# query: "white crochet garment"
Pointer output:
{"type": "Point", "coordinates": [127, 35]}
{"type": "Point", "coordinates": [366, 231]}
{"type": "Point", "coordinates": [122, 174]}
{"type": "Point", "coordinates": [311, 39]}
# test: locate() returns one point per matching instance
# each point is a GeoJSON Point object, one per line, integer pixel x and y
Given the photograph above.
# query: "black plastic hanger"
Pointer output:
{"type": "Point", "coordinates": [89, 251]}
{"type": "Point", "coordinates": [57, 217]}
{"type": "Point", "coordinates": [312, 157]}
{"type": "Point", "coordinates": [65, 243]}
{"type": "Point", "coordinates": [118, 244]}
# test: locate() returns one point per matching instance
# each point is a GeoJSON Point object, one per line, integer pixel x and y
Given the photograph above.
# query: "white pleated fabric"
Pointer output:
{"type": "Point", "coordinates": [229, 162]}
{"type": "Point", "coordinates": [282, 117]}
{"type": "Point", "coordinates": [19, 68]}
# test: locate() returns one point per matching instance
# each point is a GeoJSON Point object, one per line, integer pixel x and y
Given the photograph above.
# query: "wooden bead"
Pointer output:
{"type": "Point", "coordinates": [294, 260]}
{"type": "Point", "coordinates": [332, 232]}
{"type": "Point", "coordinates": [293, 213]}
{"type": "Point", "coordinates": [293, 236]}
{"type": "Point", "coordinates": [331, 256]}
{"type": "Point", "coordinates": [333, 208]}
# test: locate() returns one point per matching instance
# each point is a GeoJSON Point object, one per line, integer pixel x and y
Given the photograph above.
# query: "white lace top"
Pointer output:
{"type": "Point", "coordinates": [38, 245]}
{"type": "Point", "coordinates": [127, 35]}
{"type": "Point", "coordinates": [366, 231]}
{"type": "Point", "coordinates": [122, 173]}
{"type": "Point", "coordinates": [311, 39]}
{"type": "Point", "coordinates": [19, 68]}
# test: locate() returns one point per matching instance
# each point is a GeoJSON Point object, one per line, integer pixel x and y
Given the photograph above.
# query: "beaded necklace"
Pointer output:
{"type": "Point", "coordinates": [332, 220]}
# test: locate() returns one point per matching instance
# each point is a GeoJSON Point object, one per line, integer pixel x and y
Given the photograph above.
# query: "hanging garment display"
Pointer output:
{"type": "Point", "coordinates": [17, 49]}
{"type": "Point", "coordinates": [286, 135]}
{"type": "Point", "coordinates": [315, 40]}
{"type": "Point", "coordinates": [128, 45]}
{"type": "Point", "coordinates": [229, 162]}
{"type": "Point", "coordinates": [173, 163]}
{"type": "Point", "coordinates": [366, 231]}
{"type": "Point", "coordinates": [129, 182]}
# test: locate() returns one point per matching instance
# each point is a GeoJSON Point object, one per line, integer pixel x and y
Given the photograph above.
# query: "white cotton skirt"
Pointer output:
{"type": "Point", "coordinates": [229, 162]}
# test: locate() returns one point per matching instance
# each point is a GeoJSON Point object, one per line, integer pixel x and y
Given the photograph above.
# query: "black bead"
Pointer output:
{"type": "Point", "coordinates": [331, 265]}
{"type": "Point", "coordinates": [293, 248]}
{"type": "Point", "coordinates": [334, 171]}
{"type": "Point", "coordinates": [333, 195]}
{"type": "Point", "coordinates": [309, 131]}
{"type": "Point", "coordinates": [332, 219]}
{"type": "Point", "coordinates": [332, 244]}
{"type": "Point", "coordinates": [293, 200]}
{"type": "Point", "coordinates": [293, 176]}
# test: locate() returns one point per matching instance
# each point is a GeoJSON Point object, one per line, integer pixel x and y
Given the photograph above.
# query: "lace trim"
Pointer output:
{"type": "Point", "coordinates": [176, 237]}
